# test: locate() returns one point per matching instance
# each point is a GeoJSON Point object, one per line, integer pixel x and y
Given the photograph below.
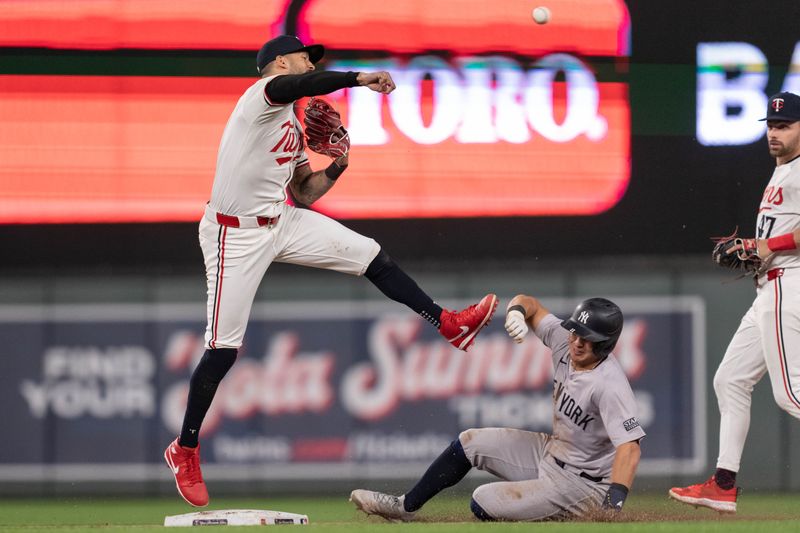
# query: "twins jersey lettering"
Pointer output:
{"type": "Point", "coordinates": [594, 411]}
{"type": "Point", "coordinates": [779, 211]}
{"type": "Point", "coordinates": [261, 146]}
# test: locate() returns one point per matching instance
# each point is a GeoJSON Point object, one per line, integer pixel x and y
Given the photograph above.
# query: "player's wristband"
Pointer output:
{"type": "Point", "coordinates": [781, 242]}
{"type": "Point", "coordinates": [615, 497]}
{"type": "Point", "coordinates": [334, 171]}
{"type": "Point", "coordinates": [519, 308]}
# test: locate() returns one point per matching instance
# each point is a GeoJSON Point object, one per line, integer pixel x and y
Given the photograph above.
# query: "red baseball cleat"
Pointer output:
{"type": "Point", "coordinates": [707, 494]}
{"type": "Point", "coordinates": [461, 327]}
{"type": "Point", "coordinates": [185, 465]}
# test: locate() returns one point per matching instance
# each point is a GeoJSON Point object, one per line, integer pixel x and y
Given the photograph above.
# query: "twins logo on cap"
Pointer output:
{"type": "Point", "coordinates": [783, 106]}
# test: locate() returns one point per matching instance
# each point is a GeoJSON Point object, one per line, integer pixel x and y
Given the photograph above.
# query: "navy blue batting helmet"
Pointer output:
{"type": "Point", "coordinates": [597, 320]}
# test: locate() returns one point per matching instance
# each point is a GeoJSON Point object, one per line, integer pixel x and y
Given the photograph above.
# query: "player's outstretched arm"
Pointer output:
{"type": "Point", "coordinates": [308, 186]}
{"type": "Point", "coordinates": [287, 88]}
{"type": "Point", "coordinates": [523, 312]}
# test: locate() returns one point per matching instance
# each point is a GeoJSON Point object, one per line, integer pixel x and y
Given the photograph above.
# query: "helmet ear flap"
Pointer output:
{"type": "Point", "coordinates": [603, 348]}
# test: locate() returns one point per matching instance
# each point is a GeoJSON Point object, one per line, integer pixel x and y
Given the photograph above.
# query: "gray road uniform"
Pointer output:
{"type": "Point", "coordinates": [565, 473]}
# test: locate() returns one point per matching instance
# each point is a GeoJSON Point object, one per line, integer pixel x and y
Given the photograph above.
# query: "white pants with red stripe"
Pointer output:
{"type": "Point", "coordinates": [768, 340]}
{"type": "Point", "coordinates": [237, 258]}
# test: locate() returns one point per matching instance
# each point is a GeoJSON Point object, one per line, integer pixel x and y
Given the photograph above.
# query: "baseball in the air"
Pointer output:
{"type": "Point", "coordinates": [541, 15]}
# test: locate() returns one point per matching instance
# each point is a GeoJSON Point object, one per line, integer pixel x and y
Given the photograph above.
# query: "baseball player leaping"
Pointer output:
{"type": "Point", "coordinates": [769, 332]}
{"type": "Point", "coordinates": [590, 459]}
{"type": "Point", "coordinates": [248, 225]}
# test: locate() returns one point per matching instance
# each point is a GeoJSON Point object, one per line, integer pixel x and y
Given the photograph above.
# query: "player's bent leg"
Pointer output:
{"type": "Point", "coordinates": [508, 453]}
{"type": "Point", "coordinates": [185, 466]}
{"type": "Point", "coordinates": [517, 501]}
{"type": "Point", "coordinates": [393, 282]}
{"type": "Point", "coordinates": [321, 242]}
{"type": "Point", "coordinates": [556, 494]}
{"type": "Point", "coordinates": [384, 505]}
{"type": "Point", "coordinates": [459, 328]}
{"type": "Point", "coordinates": [446, 470]}
{"type": "Point", "coordinates": [708, 494]}
{"type": "Point", "coordinates": [311, 239]}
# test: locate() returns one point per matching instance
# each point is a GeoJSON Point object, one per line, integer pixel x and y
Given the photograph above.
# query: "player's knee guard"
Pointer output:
{"type": "Point", "coordinates": [478, 511]}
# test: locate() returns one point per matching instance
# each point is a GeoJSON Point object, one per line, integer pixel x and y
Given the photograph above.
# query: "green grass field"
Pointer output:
{"type": "Point", "coordinates": [771, 513]}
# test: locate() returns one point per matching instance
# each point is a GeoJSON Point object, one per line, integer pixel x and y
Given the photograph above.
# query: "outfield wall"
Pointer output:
{"type": "Point", "coordinates": [336, 386]}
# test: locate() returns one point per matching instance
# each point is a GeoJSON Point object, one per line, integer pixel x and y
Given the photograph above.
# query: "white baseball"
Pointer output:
{"type": "Point", "coordinates": [541, 15]}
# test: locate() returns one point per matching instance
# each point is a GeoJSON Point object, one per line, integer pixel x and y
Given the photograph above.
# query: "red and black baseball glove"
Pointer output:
{"type": "Point", "coordinates": [324, 131]}
{"type": "Point", "coordinates": [737, 254]}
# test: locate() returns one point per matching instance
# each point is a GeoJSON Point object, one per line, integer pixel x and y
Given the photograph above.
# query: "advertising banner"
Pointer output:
{"type": "Point", "coordinates": [479, 125]}
{"type": "Point", "coordinates": [320, 390]}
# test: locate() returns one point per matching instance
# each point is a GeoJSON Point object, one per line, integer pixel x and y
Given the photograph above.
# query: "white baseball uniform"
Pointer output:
{"type": "Point", "coordinates": [566, 473]}
{"type": "Point", "coordinates": [248, 224]}
{"type": "Point", "coordinates": [768, 337]}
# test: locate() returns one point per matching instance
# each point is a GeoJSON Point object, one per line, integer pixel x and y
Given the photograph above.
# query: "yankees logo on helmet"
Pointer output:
{"type": "Point", "coordinates": [596, 320]}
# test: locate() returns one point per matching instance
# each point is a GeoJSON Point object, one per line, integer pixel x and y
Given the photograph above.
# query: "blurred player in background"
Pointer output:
{"type": "Point", "coordinates": [248, 225]}
{"type": "Point", "coordinates": [590, 459]}
{"type": "Point", "coordinates": [768, 338]}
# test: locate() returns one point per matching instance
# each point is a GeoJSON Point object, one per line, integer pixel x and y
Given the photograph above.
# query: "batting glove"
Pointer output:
{"type": "Point", "coordinates": [615, 497]}
{"type": "Point", "coordinates": [516, 326]}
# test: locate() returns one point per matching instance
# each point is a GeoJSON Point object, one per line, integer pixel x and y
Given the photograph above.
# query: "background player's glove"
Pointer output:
{"type": "Point", "coordinates": [736, 253]}
{"type": "Point", "coordinates": [516, 326]}
{"type": "Point", "coordinates": [615, 497]}
{"type": "Point", "coordinates": [324, 131]}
